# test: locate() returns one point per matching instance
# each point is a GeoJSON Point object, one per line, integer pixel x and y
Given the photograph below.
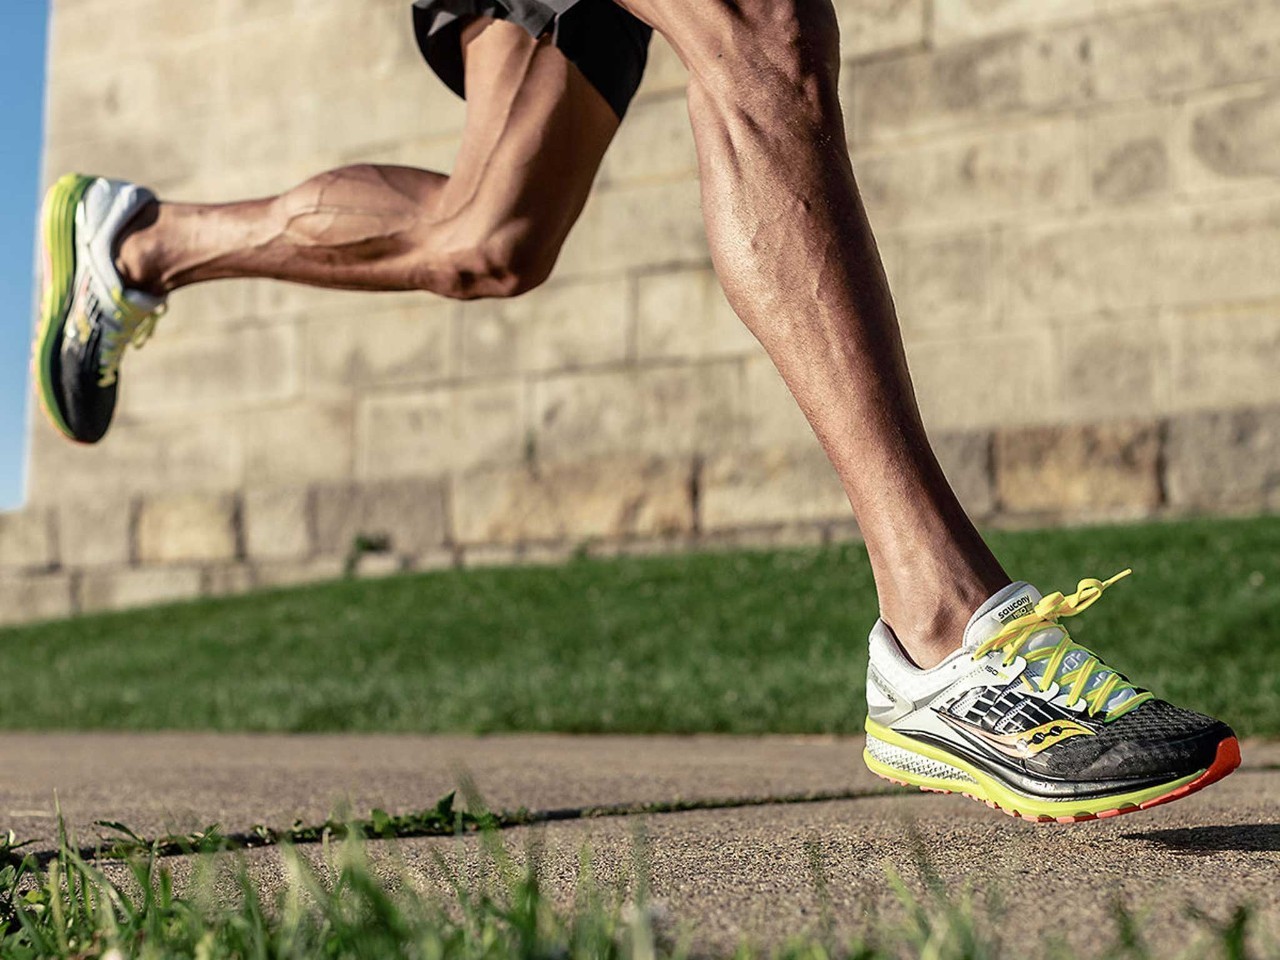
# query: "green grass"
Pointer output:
{"type": "Point", "coordinates": [340, 905]}
{"type": "Point", "coordinates": [747, 642]}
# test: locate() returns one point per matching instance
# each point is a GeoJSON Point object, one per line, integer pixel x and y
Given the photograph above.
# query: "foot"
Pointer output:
{"type": "Point", "coordinates": [1028, 721]}
{"type": "Point", "coordinates": [87, 314]}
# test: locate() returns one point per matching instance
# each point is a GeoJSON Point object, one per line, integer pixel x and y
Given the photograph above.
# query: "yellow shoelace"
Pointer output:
{"type": "Point", "coordinates": [136, 327]}
{"type": "Point", "coordinates": [1014, 635]}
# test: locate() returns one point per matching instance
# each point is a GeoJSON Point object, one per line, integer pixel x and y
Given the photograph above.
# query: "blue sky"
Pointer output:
{"type": "Point", "coordinates": [22, 49]}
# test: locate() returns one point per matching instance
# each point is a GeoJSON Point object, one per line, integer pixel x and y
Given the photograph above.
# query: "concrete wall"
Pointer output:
{"type": "Point", "coordinates": [1078, 202]}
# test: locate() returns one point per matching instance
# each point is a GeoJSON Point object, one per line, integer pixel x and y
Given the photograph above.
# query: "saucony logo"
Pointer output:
{"type": "Point", "coordinates": [79, 319]}
{"type": "Point", "coordinates": [1018, 608]}
{"type": "Point", "coordinates": [82, 326]}
{"type": "Point", "coordinates": [1024, 743]}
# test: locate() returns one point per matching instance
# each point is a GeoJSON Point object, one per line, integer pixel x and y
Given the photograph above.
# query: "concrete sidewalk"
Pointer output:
{"type": "Point", "coordinates": [745, 870]}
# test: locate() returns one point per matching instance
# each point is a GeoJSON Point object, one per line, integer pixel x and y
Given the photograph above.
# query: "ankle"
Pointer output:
{"type": "Point", "coordinates": [136, 257]}
{"type": "Point", "coordinates": [930, 623]}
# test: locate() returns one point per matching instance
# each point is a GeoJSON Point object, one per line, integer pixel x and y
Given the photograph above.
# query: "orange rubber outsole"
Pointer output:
{"type": "Point", "coordinates": [1225, 761]}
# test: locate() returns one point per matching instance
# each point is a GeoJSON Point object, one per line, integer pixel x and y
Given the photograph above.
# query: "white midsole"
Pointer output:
{"type": "Point", "coordinates": [908, 762]}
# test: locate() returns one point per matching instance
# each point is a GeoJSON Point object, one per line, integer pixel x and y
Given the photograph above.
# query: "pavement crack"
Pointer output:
{"type": "Point", "coordinates": [724, 803]}
{"type": "Point", "coordinates": [443, 820]}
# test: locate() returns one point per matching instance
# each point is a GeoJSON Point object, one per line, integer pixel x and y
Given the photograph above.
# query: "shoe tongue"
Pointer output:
{"type": "Point", "coordinates": [1016, 600]}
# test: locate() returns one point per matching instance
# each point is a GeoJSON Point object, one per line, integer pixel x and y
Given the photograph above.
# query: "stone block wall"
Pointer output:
{"type": "Point", "coordinates": [1078, 203]}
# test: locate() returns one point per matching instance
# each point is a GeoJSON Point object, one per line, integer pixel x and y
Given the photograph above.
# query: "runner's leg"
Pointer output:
{"type": "Point", "coordinates": [536, 131]}
{"type": "Point", "coordinates": [795, 253]}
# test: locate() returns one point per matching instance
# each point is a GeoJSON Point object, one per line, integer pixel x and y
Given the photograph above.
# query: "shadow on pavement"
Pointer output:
{"type": "Point", "coordinates": [1247, 837]}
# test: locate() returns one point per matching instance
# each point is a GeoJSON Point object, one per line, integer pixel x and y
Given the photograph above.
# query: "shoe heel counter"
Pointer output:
{"type": "Point", "coordinates": [885, 703]}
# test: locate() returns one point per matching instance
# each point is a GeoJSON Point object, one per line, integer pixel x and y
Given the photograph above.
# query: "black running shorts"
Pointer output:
{"type": "Point", "coordinates": [605, 42]}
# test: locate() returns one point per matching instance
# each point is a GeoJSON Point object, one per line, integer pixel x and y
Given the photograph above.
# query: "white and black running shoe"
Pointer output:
{"type": "Point", "coordinates": [87, 314]}
{"type": "Point", "coordinates": [1028, 721]}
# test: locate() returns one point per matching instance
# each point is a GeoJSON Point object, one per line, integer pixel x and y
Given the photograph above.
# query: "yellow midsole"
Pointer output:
{"type": "Point", "coordinates": [987, 787]}
{"type": "Point", "coordinates": [58, 230]}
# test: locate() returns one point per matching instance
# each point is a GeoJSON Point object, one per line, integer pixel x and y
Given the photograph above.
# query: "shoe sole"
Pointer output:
{"type": "Point", "coordinates": [935, 770]}
{"type": "Point", "coordinates": [58, 252]}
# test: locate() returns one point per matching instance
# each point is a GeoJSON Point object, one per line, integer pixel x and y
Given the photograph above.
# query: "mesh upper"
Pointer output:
{"type": "Point", "coordinates": [86, 407]}
{"type": "Point", "coordinates": [1155, 739]}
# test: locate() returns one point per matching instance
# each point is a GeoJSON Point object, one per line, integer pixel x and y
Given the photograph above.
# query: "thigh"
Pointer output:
{"type": "Point", "coordinates": [535, 134]}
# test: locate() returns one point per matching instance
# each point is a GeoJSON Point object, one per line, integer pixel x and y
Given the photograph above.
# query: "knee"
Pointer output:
{"type": "Point", "coordinates": [779, 48]}
{"type": "Point", "coordinates": [501, 264]}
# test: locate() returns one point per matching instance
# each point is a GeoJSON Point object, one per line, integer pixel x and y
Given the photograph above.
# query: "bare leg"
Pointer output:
{"type": "Point", "coordinates": [536, 132]}
{"type": "Point", "coordinates": [794, 251]}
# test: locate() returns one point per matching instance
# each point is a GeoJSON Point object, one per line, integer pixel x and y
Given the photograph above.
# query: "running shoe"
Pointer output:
{"type": "Point", "coordinates": [1028, 721]}
{"type": "Point", "coordinates": [87, 314]}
